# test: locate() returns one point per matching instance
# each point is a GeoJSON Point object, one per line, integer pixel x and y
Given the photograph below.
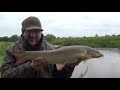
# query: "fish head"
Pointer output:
{"type": "Point", "coordinates": [89, 54]}
{"type": "Point", "coordinates": [92, 53]}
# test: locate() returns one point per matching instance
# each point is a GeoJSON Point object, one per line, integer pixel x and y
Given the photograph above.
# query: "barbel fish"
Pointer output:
{"type": "Point", "coordinates": [63, 55]}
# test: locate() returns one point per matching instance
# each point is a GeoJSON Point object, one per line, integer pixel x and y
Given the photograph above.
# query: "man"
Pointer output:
{"type": "Point", "coordinates": [32, 39]}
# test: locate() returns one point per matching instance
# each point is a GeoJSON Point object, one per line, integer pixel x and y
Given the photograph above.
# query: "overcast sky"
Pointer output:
{"type": "Point", "coordinates": [64, 24]}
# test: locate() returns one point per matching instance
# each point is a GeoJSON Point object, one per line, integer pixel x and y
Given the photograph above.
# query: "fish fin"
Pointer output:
{"type": "Point", "coordinates": [84, 61]}
{"type": "Point", "coordinates": [58, 47]}
{"type": "Point", "coordinates": [18, 54]}
{"type": "Point", "coordinates": [19, 57]}
{"type": "Point", "coordinates": [60, 66]}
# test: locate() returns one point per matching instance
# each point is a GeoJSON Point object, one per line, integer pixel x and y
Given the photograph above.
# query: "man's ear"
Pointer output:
{"type": "Point", "coordinates": [22, 35]}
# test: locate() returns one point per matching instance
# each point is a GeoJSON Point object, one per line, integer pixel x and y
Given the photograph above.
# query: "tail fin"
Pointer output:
{"type": "Point", "coordinates": [20, 58]}
{"type": "Point", "coordinates": [19, 54]}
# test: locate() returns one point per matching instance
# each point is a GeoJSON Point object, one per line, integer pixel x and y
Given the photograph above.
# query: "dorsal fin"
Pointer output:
{"type": "Point", "coordinates": [58, 46]}
{"type": "Point", "coordinates": [84, 61]}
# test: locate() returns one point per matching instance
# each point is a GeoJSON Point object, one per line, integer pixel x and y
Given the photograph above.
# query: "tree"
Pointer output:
{"type": "Point", "coordinates": [113, 34]}
{"type": "Point", "coordinates": [96, 35]}
{"type": "Point", "coordinates": [50, 37]}
{"type": "Point", "coordinates": [58, 37]}
{"type": "Point", "coordinates": [5, 38]}
{"type": "Point", "coordinates": [118, 35]}
{"type": "Point", "coordinates": [13, 38]}
{"type": "Point", "coordinates": [107, 35]}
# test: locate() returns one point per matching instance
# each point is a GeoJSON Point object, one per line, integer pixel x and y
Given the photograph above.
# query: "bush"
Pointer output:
{"type": "Point", "coordinates": [3, 46]}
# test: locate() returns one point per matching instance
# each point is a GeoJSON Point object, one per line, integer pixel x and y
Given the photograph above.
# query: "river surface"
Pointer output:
{"type": "Point", "coordinates": [105, 67]}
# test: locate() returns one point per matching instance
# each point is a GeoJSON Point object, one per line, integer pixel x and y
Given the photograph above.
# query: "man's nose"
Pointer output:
{"type": "Point", "coordinates": [32, 34]}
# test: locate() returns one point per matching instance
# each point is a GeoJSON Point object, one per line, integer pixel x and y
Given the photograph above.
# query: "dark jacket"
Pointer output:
{"type": "Point", "coordinates": [9, 70]}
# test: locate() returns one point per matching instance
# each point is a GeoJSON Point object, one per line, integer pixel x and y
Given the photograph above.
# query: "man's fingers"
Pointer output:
{"type": "Point", "coordinates": [38, 63]}
{"type": "Point", "coordinates": [38, 66]}
{"type": "Point", "coordinates": [39, 58]}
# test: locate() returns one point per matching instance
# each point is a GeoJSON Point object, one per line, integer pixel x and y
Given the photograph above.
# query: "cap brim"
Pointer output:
{"type": "Point", "coordinates": [33, 27]}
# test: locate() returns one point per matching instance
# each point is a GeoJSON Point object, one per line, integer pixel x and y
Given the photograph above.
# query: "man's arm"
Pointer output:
{"type": "Point", "coordinates": [66, 72]}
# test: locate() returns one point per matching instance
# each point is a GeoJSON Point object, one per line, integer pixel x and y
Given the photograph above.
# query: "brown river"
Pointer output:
{"type": "Point", "coordinates": [105, 67]}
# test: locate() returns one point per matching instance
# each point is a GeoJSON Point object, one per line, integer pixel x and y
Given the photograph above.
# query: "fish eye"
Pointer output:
{"type": "Point", "coordinates": [89, 52]}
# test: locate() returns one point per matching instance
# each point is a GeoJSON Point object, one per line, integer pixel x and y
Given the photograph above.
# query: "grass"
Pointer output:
{"type": "Point", "coordinates": [95, 42]}
{"type": "Point", "coordinates": [1, 61]}
{"type": "Point", "coordinates": [3, 46]}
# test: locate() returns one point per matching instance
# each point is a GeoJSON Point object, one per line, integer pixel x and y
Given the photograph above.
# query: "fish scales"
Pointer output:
{"type": "Point", "coordinates": [66, 54]}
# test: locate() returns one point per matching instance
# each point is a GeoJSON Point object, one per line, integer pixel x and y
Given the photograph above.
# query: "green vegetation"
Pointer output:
{"type": "Point", "coordinates": [106, 41]}
{"type": "Point", "coordinates": [3, 46]}
{"type": "Point", "coordinates": [95, 42]}
{"type": "Point", "coordinates": [50, 37]}
{"type": "Point", "coordinates": [1, 60]}
{"type": "Point", "coordinates": [10, 39]}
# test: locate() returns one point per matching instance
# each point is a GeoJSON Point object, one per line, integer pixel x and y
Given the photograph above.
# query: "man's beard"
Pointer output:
{"type": "Point", "coordinates": [32, 43]}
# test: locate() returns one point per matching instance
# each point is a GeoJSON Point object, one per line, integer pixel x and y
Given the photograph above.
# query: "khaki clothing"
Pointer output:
{"type": "Point", "coordinates": [9, 70]}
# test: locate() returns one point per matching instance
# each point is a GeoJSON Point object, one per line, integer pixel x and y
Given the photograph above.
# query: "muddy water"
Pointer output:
{"type": "Point", "coordinates": [105, 67]}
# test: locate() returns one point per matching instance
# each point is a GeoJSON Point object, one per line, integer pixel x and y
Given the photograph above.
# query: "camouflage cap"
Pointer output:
{"type": "Point", "coordinates": [31, 23]}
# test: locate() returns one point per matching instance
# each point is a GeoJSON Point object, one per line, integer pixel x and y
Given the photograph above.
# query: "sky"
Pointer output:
{"type": "Point", "coordinates": [64, 24]}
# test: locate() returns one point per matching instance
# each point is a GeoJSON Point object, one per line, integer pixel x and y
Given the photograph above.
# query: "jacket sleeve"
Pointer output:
{"type": "Point", "coordinates": [66, 72]}
{"type": "Point", "coordinates": [9, 70]}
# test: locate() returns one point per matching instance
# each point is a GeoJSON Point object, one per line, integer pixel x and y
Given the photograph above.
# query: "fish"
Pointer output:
{"type": "Point", "coordinates": [63, 55]}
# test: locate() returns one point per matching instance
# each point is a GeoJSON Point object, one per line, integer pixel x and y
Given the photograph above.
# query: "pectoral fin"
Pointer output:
{"type": "Point", "coordinates": [84, 61]}
{"type": "Point", "coordinates": [58, 47]}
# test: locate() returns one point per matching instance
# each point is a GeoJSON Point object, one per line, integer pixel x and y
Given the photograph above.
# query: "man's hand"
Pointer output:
{"type": "Point", "coordinates": [19, 61]}
{"type": "Point", "coordinates": [61, 66]}
{"type": "Point", "coordinates": [38, 63]}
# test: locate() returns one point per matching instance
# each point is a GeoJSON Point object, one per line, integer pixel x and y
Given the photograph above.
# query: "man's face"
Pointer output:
{"type": "Point", "coordinates": [32, 36]}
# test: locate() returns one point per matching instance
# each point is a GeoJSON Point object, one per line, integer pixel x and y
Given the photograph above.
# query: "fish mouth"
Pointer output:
{"type": "Point", "coordinates": [101, 55]}
{"type": "Point", "coordinates": [98, 55]}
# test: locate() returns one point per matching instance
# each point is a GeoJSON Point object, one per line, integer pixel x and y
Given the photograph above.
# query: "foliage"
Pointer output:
{"type": "Point", "coordinates": [49, 37]}
{"type": "Point", "coordinates": [95, 42]}
{"type": "Point", "coordinates": [10, 39]}
{"type": "Point", "coordinates": [13, 38]}
{"type": "Point", "coordinates": [3, 46]}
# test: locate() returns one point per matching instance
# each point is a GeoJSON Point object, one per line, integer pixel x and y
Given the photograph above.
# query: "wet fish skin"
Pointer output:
{"type": "Point", "coordinates": [63, 55]}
